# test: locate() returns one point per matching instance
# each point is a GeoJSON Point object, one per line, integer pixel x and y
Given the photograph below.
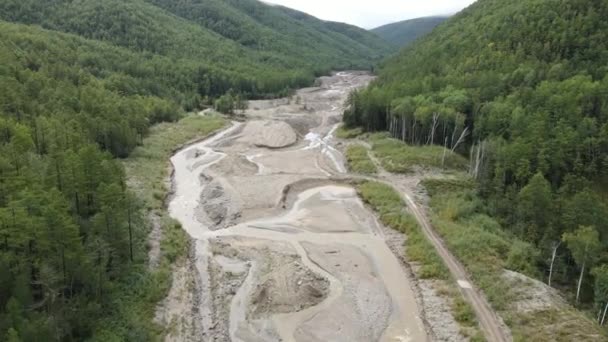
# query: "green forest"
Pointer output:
{"type": "Point", "coordinates": [81, 84]}
{"type": "Point", "coordinates": [404, 33]}
{"type": "Point", "coordinates": [521, 88]}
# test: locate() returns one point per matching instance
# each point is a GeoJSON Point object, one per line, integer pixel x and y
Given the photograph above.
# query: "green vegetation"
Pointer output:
{"type": "Point", "coordinates": [72, 238]}
{"type": "Point", "coordinates": [393, 213]}
{"type": "Point", "coordinates": [231, 103]}
{"type": "Point", "coordinates": [359, 160]}
{"type": "Point", "coordinates": [405, 32]}
{"type": "Point", "coordinates": [284, 34]}
{"type": "Point", "coordinates": [398, 157]}
{"type": "Point", "coordinates": [345, 133]}
{"type": "Point", "coordinates": [147, 166]}
{"type": "Point", "coordinates": [208, 47]}
{"type": "Point", "coordinates": [520, 87]}
{"type": "Point", "coordinates": [83, 83]}
{"type": "Point", "coordinates": [460, 216]}
{"type": "Point", "coordinates": [146, 171]}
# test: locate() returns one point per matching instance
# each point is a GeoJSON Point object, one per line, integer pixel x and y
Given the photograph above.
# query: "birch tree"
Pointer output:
{"type": "Point", "coordinates": [601, 292]}
{"type": "Point", "coordinates": [553, 257]}
{"type": "Point", "coordinates": [584, 244]}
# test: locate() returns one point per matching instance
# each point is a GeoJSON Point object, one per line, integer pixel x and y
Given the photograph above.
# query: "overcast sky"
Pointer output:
{"type": "Point", "coordinates": [374, 13]}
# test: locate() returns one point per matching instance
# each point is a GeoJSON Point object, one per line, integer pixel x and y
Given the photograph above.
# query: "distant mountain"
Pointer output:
{"type": "Point", "coordinates": [246, 45]}
{"type": "Point", "coordinates": [285, 31]}
{"type": "Point", "coordinates": [405, 32]}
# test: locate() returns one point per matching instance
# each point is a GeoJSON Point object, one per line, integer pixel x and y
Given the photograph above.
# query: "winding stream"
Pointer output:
{"type": "Point", "coordinates": [324, 247]}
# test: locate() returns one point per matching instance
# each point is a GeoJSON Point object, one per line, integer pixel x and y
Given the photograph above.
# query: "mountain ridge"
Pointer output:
{"type": "Point", "coordinates": [403, 33]}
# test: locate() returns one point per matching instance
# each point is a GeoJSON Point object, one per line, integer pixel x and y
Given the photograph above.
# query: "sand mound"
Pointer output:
{"type": "Point", "coordinates": [270, 134]}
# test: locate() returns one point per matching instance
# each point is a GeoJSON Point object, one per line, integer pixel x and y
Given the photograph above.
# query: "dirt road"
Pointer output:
{"type": "Point", "coordinates": [488, 321]}
{"type": "Point", "coordinates": [282, 253]}
{"type": "Point", "coordinates": [491, 325]}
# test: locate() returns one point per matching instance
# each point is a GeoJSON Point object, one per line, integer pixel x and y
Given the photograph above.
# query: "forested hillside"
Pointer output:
{"type": "Point", "coordinates": [253, 48]}
{"type": "Point", "coordinates": [522, 88]}
{"type": "Point", "coordinates": [81, 82]}
{"type": "Point", "coordinates": [285, 32]}
{"type": "Point", "coordinates": [405, 32]}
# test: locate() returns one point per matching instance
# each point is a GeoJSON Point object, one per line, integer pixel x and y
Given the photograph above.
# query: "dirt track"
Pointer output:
{"type": "Point", "coordinates": [491, 325]}
{"type": "Point", "coordinates": [281, 252]}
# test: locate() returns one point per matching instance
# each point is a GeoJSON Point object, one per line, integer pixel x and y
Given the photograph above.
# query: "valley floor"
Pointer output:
{"type": "Point", "coordinates": [282, 249]}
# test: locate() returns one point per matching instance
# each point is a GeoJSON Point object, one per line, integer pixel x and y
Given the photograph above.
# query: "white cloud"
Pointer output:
{"type": "Point", "coordinates": [370, 14]}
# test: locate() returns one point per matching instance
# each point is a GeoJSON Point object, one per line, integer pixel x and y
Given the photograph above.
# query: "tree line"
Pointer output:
{"type": "Point", "coordinates": [72, 236]}
{"type": "Point", "coordinates": [520, 87]}
{"type": "Point", "coordinates": [81, 83]}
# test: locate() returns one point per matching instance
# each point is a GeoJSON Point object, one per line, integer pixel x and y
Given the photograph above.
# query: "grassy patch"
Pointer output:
{"type": "Point", "coordinates": [398, 157]}
{"type": "Point", "coordinates": [476, 239]}
{"type": "Point", "coordinates": [349, 133]}
{"type": "Point", "coordinates": [485, 249]}
{"type": "Point", "coordinates": [359, 160]}
{"type": "Point", "coordinates": [463, 312]}
{"type": "Point", "coordinates": [136, 298]}
{"type": "Point", "coordinates": [555, 326]}
{"type": "Point", "coordinates": [147, 166]}
{"type": "Point", "coordinates": [438, 186]}
{"type": "Point", "coordinates": [392, 211]}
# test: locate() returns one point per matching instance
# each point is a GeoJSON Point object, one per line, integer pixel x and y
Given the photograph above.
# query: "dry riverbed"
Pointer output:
{"type": "Point", "coordinates": [282, 253]}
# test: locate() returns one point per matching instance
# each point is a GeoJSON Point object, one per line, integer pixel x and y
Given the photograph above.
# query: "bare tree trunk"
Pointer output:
{"type": "Point", "coordinates": [472, 160]}
{"type": "Point", "coordinates": [604, 315]}
{"type": "Point", "coordinates": [403, 129]}
{"type": "Point", "coordinates": [580, 282]}
{"type": "Point", "coordinates": [553, 256]}
{"type": "Point", "coordinates": [445, 149]}
{"type": "Point", "coordinates": [463, 135]}
{"type": "Point", "coordinates": [477, 156]}
{"type": "Point", "coordinates": [433, 128]}
{"type": "Point", "coordinates": [414, 131]}
{"type": "Point", "coordinates": [483, 157]}
{"type": "Point", "coordinates": [478, 159]}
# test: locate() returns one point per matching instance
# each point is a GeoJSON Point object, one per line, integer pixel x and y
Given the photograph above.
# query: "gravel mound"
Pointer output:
{"type": "Point", "coordinates": [269, 134]}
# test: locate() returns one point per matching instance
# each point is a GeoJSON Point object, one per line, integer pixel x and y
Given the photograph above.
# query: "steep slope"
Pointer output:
{"type": "Point", "coordinates": [281, 30]}
{"type": "Point", "coordinates": [520, 86]}
{"type": "Point", "coordinates": [240, 34]}
{"type": "Point", "coordinates": [81, 82]}
{"type": "Point", "coordinates": [405, 32]}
